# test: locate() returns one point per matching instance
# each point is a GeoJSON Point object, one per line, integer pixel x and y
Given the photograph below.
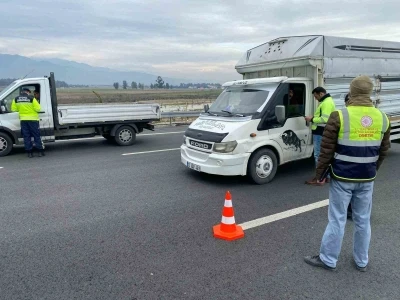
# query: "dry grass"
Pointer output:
{"type": "Point", "coordinates": [181, 97]}
{"type": "Point", "coordinates": [170, 100]}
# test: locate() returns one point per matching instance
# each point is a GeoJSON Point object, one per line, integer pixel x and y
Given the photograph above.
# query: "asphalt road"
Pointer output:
{"type": "Point", "coordinates": [86, 222]}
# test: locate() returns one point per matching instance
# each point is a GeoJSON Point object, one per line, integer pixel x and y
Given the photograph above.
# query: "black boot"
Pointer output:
{"type": "Point", "coordinates": [41, 153]}
{"type": "Point", "coordinates": [30, 154]}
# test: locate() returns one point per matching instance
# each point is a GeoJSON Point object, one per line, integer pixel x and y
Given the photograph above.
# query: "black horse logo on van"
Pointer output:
{"type": "Point", "coordinates": [290, 139]}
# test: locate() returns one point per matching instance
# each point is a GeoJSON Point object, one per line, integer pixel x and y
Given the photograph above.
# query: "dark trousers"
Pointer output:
{"type": "Point", "coordinates": [31, 129]}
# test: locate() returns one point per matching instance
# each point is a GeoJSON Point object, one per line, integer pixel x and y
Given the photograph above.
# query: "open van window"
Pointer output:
{"type": "Point", "coordinates": [239, 101]}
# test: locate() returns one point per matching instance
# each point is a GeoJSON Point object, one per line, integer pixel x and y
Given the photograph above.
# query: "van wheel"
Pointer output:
{"type": "Point", "coordinates": [125, 136]}
{"type": "Point", "coordinates": [6, 144]}
{"type": "Point", "coordinates": [262, 166]}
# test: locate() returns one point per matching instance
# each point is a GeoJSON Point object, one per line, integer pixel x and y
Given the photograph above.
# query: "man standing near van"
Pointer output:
{"type": "Point", "coordinates": [355, 143]}
{"type": "Point", "coordinates": [325, 108]}
{"type": "Point", "coordinates": [28, 108]}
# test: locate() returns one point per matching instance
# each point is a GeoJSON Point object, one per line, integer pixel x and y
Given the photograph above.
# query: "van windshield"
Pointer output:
{"type": "Point", "coordinates": [3, 91]}
{"type": "Point", "coordinates": [239, 101]}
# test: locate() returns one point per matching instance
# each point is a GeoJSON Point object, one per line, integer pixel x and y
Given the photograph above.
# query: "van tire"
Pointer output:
{"type": "Point", "coordinates": [125, 136]}
{"type": "Point", "coordinates": [262, 166]}
{"type": "Point", "coordinates": [6, 144]}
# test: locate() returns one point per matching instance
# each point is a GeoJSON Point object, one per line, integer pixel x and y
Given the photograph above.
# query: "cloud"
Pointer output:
{"type": "Point", "coordinates": [194, 39]}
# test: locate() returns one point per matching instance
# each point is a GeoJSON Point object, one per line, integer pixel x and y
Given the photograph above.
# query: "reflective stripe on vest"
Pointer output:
{"type": "Point", "coordinates": [360, 136]}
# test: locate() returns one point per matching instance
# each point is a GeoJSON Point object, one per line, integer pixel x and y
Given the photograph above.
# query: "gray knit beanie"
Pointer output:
{"type": "Point", "coordinates": [361, 86]}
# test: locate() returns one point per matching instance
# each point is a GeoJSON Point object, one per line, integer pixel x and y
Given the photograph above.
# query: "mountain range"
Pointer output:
{"type": "Point", "coordinates": [16, 66]}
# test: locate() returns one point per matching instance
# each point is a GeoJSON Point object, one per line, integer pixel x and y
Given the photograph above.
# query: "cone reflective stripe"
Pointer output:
{"type": "Point", "coordinates": [228, 220]}
{"type": "Point", "coordinates": [228, 230]}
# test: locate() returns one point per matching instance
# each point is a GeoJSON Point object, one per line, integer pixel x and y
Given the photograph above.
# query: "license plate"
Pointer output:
{"type": "Point", "coordinates": [193, 166]}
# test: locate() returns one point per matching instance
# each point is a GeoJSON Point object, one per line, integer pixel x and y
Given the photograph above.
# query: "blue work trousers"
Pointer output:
{"type": "Point", "coordinates": [360, 197]}
{"type": "Point", "coordinates": [31, 129]}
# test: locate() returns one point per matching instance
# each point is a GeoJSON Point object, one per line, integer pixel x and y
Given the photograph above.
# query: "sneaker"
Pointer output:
{"type": "Point", "coordinates": [317, 262]}
{"type": "Point", "coordinates": [361, 269]}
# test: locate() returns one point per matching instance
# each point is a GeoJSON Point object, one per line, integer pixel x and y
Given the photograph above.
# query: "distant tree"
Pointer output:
{"type": "Point", "coordinates": [167, 86]}
{"type": "Point", "coordinates": [61, 84]}
{"type": "Point", "coordinates": [116, 85]}
{"type": "Point", "coordinates": [160, 82]}
{"type": "Point", "coordinates": [142, 86]}
{"type": "Point", "coordinates": [134, 85]}
{"type": "Point", "coordinates": [151, 86]}
{"type": "Point", "coordinates": [124, 84]}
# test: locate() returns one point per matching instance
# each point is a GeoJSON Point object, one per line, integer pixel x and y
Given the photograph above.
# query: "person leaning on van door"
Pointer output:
{"type": "Point", "coordinates": [355, 143]}
{"type": "Point", "coordinates": [28, 108]}
{"type": "Point", "coordinates": [325, 108]}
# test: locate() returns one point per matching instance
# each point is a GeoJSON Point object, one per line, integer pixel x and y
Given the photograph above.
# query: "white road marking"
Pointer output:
{"type": "Point", "coordinates": [144, 152]}
{"type": "Point", "coordinates": [172, 132]}
{"type": "Point", "coordinates": [100, 137]}
{"type": "Point", "coordinates": [284, 214]}
{"type": "Point", "coordinates": [1, 167]}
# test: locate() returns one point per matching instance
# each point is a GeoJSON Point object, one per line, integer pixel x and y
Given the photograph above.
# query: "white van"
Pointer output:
{"type": "Point", "coordinates": [257, 124]}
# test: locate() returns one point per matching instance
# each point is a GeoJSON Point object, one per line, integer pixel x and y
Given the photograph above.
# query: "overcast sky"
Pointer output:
{"type": "Point", "coordinates": [184, 39]}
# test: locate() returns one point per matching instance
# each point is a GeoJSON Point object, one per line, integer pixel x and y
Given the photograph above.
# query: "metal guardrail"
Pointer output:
{"type": "Point", "coordinates": [175, 114]}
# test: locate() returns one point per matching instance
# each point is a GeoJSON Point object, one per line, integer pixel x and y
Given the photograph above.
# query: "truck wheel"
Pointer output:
{"type": "Point", "coordinates": [262, 166]}
{"type": "Point", "coordinates": [6, 144]}
{"type": "Point", "coordinates": [125, 136]}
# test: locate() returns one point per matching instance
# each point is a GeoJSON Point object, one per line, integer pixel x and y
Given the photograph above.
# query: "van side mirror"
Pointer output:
{"type": "Point", "coordinates": [206, 107]}
{"type": "Point", "coordinates": [280, 113]}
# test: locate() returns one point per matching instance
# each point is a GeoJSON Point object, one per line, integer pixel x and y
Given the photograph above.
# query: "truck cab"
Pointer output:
{"type": "Point", "coordinates": [9, 121]}
{"type": "Point", "coordinates": [251, 128]}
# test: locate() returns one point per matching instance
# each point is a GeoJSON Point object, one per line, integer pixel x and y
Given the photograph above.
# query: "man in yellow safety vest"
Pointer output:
{"type": "Point", "coordinates": [355, 142]}
{"type": "Point", "coordinates": [325, 108]}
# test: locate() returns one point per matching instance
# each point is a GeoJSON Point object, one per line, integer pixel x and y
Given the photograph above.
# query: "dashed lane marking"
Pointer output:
{"type": "Point", "coordinates": [159, 133]}
{"type": "Point", "coordinates": [284, 214]}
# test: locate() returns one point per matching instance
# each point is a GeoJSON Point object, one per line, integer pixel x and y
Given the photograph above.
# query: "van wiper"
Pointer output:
{"type": "Point", "coordinates": [231, 114]}
{"type": "Point", "coordinates": [212, 114]}
{"type": "Point", "coordinates": [227, 111]}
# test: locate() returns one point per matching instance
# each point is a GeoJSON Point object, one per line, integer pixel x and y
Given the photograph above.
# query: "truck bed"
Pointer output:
{"type": "Point", "coordinates": [99, 113]}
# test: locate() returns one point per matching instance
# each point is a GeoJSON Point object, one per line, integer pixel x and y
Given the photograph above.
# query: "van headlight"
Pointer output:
{"type": "Point", "coordinates": [225, 147]}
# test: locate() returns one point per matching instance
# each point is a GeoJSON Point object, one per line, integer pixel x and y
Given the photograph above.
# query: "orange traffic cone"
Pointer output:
{"type": "Point", "coordinates": [228, 230]}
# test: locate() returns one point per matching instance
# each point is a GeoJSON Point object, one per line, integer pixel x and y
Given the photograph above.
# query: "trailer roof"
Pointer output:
{"type": "Point", "coordinates": [319, 46]}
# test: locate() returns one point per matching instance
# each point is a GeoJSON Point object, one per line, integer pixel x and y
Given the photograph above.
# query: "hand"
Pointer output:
{"type": "Point", "coordinates": [308, 119]}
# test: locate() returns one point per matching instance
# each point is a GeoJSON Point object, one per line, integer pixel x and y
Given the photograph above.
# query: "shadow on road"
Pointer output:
{"type": "Point", "coordinates": [292, 170]}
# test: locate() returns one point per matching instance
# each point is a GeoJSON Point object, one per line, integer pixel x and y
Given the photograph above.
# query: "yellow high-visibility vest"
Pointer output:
{"type": "Point", "coordinates": [359, 140]}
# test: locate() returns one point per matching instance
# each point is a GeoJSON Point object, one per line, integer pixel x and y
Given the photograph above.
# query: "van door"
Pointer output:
{"type": "Point", "coordinates": [293, 136]}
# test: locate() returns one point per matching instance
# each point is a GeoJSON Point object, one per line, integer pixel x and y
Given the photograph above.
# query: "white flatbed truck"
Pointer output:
{"type": "Point", "coordinates": [119, 122]}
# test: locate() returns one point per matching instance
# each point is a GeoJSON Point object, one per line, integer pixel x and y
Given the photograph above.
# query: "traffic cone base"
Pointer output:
{"type": "Point", "coordinates": [229, 236]}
